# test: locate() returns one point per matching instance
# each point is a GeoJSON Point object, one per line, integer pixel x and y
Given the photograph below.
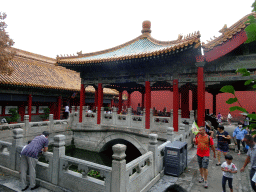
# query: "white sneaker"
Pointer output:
{"type": "Point", "coordinates": [201, 180]}
{"type": "Point", "coordinates": [206, 184]}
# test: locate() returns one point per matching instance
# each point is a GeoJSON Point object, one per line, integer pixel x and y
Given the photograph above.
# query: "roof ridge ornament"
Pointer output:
{"type": "Point", "coordinates": [146, 25]}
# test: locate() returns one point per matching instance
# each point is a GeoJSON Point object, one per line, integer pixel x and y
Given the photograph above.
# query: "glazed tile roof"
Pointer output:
{"type": "Point", "coordinates": [142, 46]}
{"type": "Point", "coordinates": [30, 71]}
{"type": "Point", "coordinates": [227, 33]}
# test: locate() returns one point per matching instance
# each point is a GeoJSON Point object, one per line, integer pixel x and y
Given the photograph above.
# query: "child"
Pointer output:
{"type": "Point", "coordinates": [228, 169]}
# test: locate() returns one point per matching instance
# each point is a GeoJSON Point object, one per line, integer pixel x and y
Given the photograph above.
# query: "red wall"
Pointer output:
{"type": "Point", "coordinates": [161, 99]}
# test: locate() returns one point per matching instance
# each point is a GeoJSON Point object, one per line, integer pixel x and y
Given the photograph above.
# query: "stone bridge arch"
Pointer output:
{"type": "Point", "coordinates": [141, 146]}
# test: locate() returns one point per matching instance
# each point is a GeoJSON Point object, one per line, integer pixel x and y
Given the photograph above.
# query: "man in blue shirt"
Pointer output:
{"type": "Point", "coordinates": [239, 133]}
{"type": "Point", "coordinates": [29, 158]}
{"type": "Point", "coordinates": [251, 157]}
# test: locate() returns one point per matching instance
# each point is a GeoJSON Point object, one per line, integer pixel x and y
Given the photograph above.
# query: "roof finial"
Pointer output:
{"type": "Point", "coordinates": [146, 25]}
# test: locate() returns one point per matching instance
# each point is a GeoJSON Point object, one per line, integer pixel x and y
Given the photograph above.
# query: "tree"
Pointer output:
{"type": "Point", "coordinates": [251, 36]}
{"type": "Point", "coordinates": [251, 28]}
{"type": "Point", "coordinates": [6, 54]}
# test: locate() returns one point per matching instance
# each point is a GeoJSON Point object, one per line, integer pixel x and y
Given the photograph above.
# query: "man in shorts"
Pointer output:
{"type": "Point", "coordinates": [203, 142]}
{"type": "Point", "coordinates": [251, 157]}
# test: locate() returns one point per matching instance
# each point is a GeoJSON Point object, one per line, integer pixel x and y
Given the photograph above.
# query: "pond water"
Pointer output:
{"type": "Point", "coordinates": [103, 158]}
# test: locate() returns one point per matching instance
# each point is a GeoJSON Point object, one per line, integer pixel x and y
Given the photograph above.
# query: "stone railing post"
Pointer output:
{"type": "Point", "coordinates": [182, 131]}
{"type": "Point", "coordinates": [102, 119]}
{"type": "Point", "coordinates": [153, 147]}
{"type": "Point", "coordinates": [16, 141]}
{"type": "Point", "coordinates": [152, 124]}
{"type": "Point", "coordinates": [73, 109]}
{"type": "Point", "coordinates": [129, 117]}
{"type": "Point", "coordinates": [26, 128]}
{"type": "Point", "coordinates": [118, 183]}
{"type": "Point", "coordinates": [58, 151]}
{"type": "Point", "coordinates": [191, 116]}
{"type": "Point", "coordinates": [143, 116]}
{"type": "Point", "coordinates": [179, 116]}
{"type": "Point", "coordinates": [78, 112]}
{"type": "Point", "coordinates": [83, 114]}
{"type": "Point", "coordinates": [114, 115]}
{"type": "Point", "coordinates": [51, 124]}
{"type": "Point", "coordinates": [170, 134]}
{"type": "Point", "coordinates": [171, 116]}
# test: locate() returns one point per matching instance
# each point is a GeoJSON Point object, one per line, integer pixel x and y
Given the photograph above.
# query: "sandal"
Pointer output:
{"type": "Point", "coordinates": [218, 164]}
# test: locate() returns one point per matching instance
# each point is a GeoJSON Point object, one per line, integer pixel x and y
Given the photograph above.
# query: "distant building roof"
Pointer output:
{"type": "Point", "coordinates": [227, 33]}
{"type": "Point", "coordinates": [142, 46]}
{"type": "Point", "coordinates": [33, 70]}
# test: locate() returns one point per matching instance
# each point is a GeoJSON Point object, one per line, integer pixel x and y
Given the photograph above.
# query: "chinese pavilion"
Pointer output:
{"type": "Point", "coordinates": [144, 64]}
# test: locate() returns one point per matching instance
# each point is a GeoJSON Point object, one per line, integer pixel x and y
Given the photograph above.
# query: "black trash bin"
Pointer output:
{"type": "Point", "coordinates": [175, 158]}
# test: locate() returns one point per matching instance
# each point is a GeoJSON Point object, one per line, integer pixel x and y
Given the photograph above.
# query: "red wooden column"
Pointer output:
{"type": "Point", "coordinates": [59, 108]}
{"type": "Point", "coordinates": [112, 103]}
{"type": "Point", "coordinates": [142, 100]}
{"type": "Point", "coordinates": [185, 103]}
{"type": "Point", "coordinates": [29, 106]}
{"type": "Point", "coordinates": [100, 102]}
{"type": "Point", "coordinates": [175, 104]}
{"type": "Point", "coordinates": [22, 111]}
{"type": "Point", "coordinates": [200, 94]}
{"type": "Point", "coordinates": [82, 100]}
{"type": "Point", "coordinates": [148, 104]}
{"type": "Point", "coordinates": [120, 102]}
{"type": "Point", "coordinates": [96, 98]}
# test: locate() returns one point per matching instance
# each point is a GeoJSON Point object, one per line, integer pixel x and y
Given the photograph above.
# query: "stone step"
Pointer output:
{"type": "Point", "coordinates": [9, 183]}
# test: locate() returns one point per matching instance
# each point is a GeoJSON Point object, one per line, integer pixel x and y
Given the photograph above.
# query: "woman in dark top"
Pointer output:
{"type": "Point", "coordinates": [222, 145]}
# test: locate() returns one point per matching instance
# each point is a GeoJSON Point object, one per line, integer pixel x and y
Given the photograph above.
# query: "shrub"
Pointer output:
{"type": "Point", "coordinates": [14, 115]}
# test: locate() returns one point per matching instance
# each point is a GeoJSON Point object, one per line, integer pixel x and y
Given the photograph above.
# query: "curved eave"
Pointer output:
{"type": "Point", "coordinates": [30, 85]}
{"type": "Point", "coordinates": [228, 34]}
{"type": "Point", "coordinates": [36, 86]}
{"type": "Point", "coordinates": [181, 45]}
{"type": "Point", "coordinates": [225, 47]}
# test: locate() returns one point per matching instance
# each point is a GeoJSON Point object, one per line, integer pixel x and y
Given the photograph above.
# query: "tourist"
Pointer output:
{"type": "Point", "coordinates": [219, 118]}
{"type": "Point", "coordinates": [251, 157]}
{"type": "Point", "coordinates": [222, 145]}
{"type": "Point", "coordinates": [138, 109]}
{"type": "Point", "coordinates": [246, 121]}
{"type": "Point", "coordinates": [229, 118]}
{"type": "Point", "coordinates": [229, 169]}
{"type": "Point", "coordinates": [66, 112]}
{"type": "Point", "coordinates": [208, 129]}
{"type": "Point", "coordinates": [175, 188]}
{"type": "Point", "coordinates": [239, 133]}
{"type": "Point", "coordinates": [203, 142]}
{"type": "Point", "coordinates": [29, 158]}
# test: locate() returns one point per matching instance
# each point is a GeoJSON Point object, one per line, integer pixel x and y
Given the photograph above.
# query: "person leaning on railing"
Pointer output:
{"type": "Point", "coordinates": [29, 158]}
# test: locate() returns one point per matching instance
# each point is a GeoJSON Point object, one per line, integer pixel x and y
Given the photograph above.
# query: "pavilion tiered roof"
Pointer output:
{"type": "Point", "coordinates": [140, 47]}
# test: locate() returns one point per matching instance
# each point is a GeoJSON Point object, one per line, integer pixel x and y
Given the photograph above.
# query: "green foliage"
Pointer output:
{"type": "Point", "coordinates": [14, 115]}
{"type": "Point", "coordinates": [231, 100]}
{"type": "Point", "coordinates": [228, 89]}
{"type": "Point", "coordinates": [45, 116]}
{"type": "Point", "coordinates": [251, 28]}
{"type": "Point", "coordinates": [237, 108]}
{"type": "Point", "coordinates": [243, 71]}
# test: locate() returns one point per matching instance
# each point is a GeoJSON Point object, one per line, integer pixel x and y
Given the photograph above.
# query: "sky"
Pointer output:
{"type": "Point", "coordinates": [60, 27]}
